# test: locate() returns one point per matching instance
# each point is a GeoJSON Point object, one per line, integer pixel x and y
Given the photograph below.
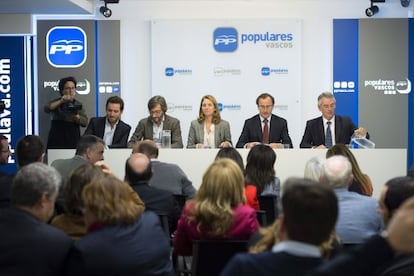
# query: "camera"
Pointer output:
{"type": "Point", "coordinates": [71, 107]}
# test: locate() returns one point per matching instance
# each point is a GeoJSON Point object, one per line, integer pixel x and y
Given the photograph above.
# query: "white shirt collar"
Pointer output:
{"type": "Point", "coordinates": [297, 248]}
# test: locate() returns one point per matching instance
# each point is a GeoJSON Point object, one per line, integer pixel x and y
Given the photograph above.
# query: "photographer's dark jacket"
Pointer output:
{"type": "Point", "coordinates": [64, 130]}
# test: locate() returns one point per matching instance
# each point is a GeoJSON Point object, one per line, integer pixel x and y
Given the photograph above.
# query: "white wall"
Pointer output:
{"type": "Point", "coordinates": [316, 16]}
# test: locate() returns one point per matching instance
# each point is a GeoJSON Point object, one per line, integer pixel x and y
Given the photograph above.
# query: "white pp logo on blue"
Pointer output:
{"type": "Point", "coordinates": [225, 39]}
{"type": "Point", "coordinates": [66, 47]}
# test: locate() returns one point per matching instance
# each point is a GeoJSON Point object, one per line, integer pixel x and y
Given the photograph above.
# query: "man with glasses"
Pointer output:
{"type": "Point", "coordinates": [265, 127]}
{"type": "Point", "coordinates": [329, 129]}
{"type": "Point", "coordinates": [4, 150]}
{"type": "Point", "coordinates": [151, 127]}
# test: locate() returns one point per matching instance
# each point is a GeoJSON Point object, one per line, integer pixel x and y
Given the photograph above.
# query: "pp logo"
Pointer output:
{"type": "Point", "coordinates": [169, 71]}
{"type": "Point", "coordinates": [225, 39]}
{"type": "Point", "coordinates": [265, 71]}
{"type": "Point", "coordinates": [66, 47]}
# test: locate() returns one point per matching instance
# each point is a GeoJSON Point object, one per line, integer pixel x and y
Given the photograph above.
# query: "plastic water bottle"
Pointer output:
{"type": "Point", "coordinates": [360, 142]}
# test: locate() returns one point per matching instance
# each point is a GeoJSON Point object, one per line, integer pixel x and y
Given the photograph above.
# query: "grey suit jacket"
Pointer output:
{"type": "Point", "coordinates": [144, 131]}
{"type": "Point", "coordinates": [196, 133]}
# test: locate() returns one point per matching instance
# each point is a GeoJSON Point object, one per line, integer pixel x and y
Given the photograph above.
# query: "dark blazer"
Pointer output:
{"type": "Point", "coordinates": [315, 133]}
{"type": "Point", "coordinates": [6, 181]}
{"type": "Point", "coordinates": [252, 131]}
{"type": "Point", "coordinates": [141, 248]}
{"type": "Point", "coordinates": [270, 263]}
{"type": "Point", "coordinates": [96, 127]}
{"type": "Point", "coordinates": [29, 246]}
{"type": "Point", "coordinates": [144, 131]}
{"type": "Point", "coordinates": [159, 202]}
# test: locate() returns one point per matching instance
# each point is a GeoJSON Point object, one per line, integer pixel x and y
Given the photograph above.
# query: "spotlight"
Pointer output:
{"type": "Point", "coordinates": [371, 10]}
{"type": "Point", "coordinates": [105, 11]}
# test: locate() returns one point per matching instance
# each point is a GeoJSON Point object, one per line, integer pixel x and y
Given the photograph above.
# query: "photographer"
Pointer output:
{"type": "Point", "coordinates": [68, 116]}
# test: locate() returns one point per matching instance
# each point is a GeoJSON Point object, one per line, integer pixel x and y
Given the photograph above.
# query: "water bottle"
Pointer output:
{"type": "Point", "coordinates": [360, 142]}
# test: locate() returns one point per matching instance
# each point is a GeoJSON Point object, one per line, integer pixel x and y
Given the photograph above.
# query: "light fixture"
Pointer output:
{"type": "Point", "coordinates": [107, 12]}
{"type": "Point", "coordinates": [371, 10]}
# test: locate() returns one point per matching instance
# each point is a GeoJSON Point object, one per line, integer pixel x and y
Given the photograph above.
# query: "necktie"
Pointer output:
{"type": "Point", "coordinates": [265, 132]}
{"type": "Point", "coordinates": [328, 135]}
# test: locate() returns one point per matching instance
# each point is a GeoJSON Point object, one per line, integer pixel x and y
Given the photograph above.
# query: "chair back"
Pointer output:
{"type": "Point", "coordinates": [261, 218]}
{"type": "Point", "coordinates": [164, 224]}
{"type": "Point", "coordinates": [268, 203]}
{"type": "Point", "coordinates": [181, 199]}
{"type": "Point", "coordinates": [211, 256]}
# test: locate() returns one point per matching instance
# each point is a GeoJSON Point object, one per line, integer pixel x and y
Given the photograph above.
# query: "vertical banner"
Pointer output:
{"type": "Point", "coordinates": [12, 93]}
{"type": "Point", "coordinates": [108, 63]}
{"type": "Point", "coordinates": [234, 61]}
{"type": "Point", "coordinates": [379, 100]}
{"type": "Point", "coordinates": [65, 48]}
{"type": "Point", "coordinates": [410, 148]}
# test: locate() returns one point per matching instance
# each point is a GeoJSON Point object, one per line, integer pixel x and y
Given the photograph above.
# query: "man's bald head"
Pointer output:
{"type": "Point", "coordinates": [138, 168]}
{"type": "Point", "coordinates": [337, 172]}
{"type": "Point", "coordinates": [147, 147]}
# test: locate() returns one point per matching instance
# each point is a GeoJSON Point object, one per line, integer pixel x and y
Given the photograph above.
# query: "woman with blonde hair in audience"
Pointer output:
{"type": "Point", "coordinates": [218, 210]}
{"type": "Point", "coordinates": [121, 238]}
{"type": "Point", "coordinates": [209, 130]}
{"type": "Point", "coordinates": [361, 182]}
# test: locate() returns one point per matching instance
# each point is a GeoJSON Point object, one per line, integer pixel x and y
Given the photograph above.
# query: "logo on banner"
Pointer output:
{"type": "Point", "coordinates": [266, 71]}
{"type": "Point", "coordinates": [229, 107]}
{"type": "Point", "coordinates": [66, 47]}
{"type": "Point", "coordinates": [225, 39]}
{"type": "Point", "coordinates": [82, 87]}
{"type": "Point", "coordinates": [170, 71]}
{"type": "Point", "coordinates": [390, 87]}
{"type": "Point", "coordinates": [221, 72]}
{"type": "Point", "coordinates": [183, 107]}
{"type": "Point", "coordinates": [344, 87]}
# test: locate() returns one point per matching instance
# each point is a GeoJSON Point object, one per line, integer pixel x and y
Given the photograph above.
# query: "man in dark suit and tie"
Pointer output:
{"type": "Point", "coordinates": [265, 127]}
{"type": "Point", "coordinates": [329, 129]}
{"type": "Point", "coordinates": [111, 128]}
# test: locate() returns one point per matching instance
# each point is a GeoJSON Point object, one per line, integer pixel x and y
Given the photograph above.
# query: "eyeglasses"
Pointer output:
{"type": "Point", "coordinates": [155, 112]}
{"type": "Point", "coordinates": [7, 150]}
{"type": "Point", "coordinates": [328, 105]}
{"type": "Point", "coordinates": [69, 88]}
{"type": "Point", "coordinates": [265, 106]}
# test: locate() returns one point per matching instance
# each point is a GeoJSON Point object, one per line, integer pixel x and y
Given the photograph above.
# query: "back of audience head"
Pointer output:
{"type": "Point", "coordinates": [221, 190]}
{"type": "Point", "coordinates": [308, 221]}
{"type": "Point", "coordinates": [260, 166]}
{"type": "Point", "coordinates": [232, 154]}
{"type": "Point", "coordinates": [91, 147]}
{"type": "Point", "coordinates": [393, 194]}
{"type": "Point", "coordinates": [313, 168]}
{"type": "Point", "coordinates": [138, 169]}
{"type": "Point", "coordinates": [337, 172]}
{"type": "Point", "coordinates": [147, 147]}
{"type": "Point", "coordinates": [35, 187]}
{"type": "Point", "coordinates": [78, 179]}
{"type": "Point", "coordinates": [29, 149]}
{"type": "Point", "coordinates": [108, 200]}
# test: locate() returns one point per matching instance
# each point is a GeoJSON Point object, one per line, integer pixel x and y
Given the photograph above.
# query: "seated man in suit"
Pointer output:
{"type": "Point", "coordinates": [166, 176]}
{"type": "Point", "coordinates": [29, 245]}
{"type": "Point", "coordinates": [304, 225]}
{"type": "Point", "coordinates": [138, 172]}
{"type": "Point", "coordinates": [4, 151]}
{"type": "Point", "coordinates": [329, 129]}
{"type": "Point", "coordinates": [358, 217]}
{"type": "Point", "coordinates": [265, 127]}
{"type": "Point", "coordinates": [151, 127]}
{"type": "Point", "coordinates": [111, 128]}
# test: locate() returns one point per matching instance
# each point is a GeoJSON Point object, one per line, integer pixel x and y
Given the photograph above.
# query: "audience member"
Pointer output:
{"type": "Point", "coordinates": [29, 246]}
{"type": "Point", "coordinates": [72, 222]}
{"type": "Point", "coordinates": [111, 128]}
{"type": "Point", "coordinates": [209, 130]}
{"type": "Point", "coordinates": [260, 174]}
{"type": "Point", "coordinates": [29, 149]}
{"type": "Point", "coordinates": [121, 238]}
{"type": "Point", "coordinates": [151, 127]}
{"type": "Point", "coordinates": [338, 129]}
{"type": "Point", "coordinates": [361, 183]}
{"type": "Point", "coordinates": [232, 154]}
{"type": "Point", "coordinates": [218, 210]}
{"type": "Point", "coordinates": [411, 171]}
{"type": "Point", "coordinates": [358, 218]}
{"type": "Point", "coordinates": [377, 250]}
{"type": "Point", "coordinates": [303, 226]}
{"type": "Point", "coordinates": [138, 172]}
{"type": "Point", "coordinates": [392, 196]}
{"type": "Point", "coordinates": [89, 149]}
{"type": "Point", "coordinates": [265, 127]}
{"type": "Point", "coordinates": [166, 176]}
{"type": "Point", "coordinates": [68, 116]}
{"type": "Point", "coordinates": [4, 151]}
{"type": "Point", "coordinates": [313, 168]}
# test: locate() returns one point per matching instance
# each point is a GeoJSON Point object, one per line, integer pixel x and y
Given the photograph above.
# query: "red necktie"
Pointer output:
{"type": "Point", "coordinates": [265, 132]}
